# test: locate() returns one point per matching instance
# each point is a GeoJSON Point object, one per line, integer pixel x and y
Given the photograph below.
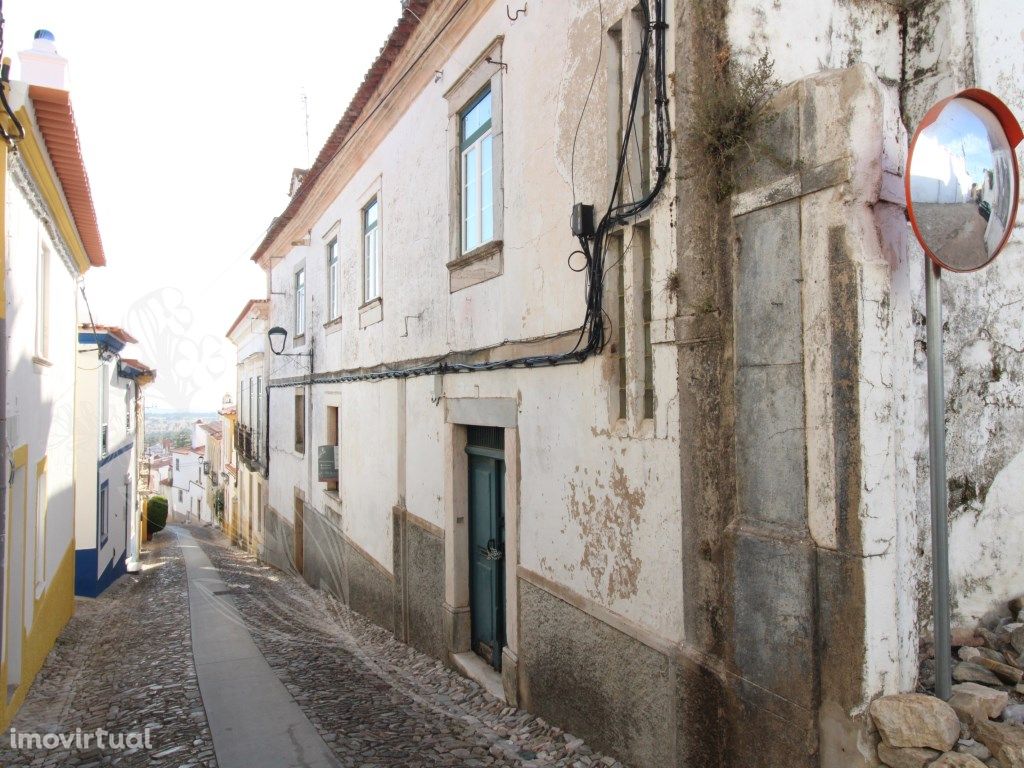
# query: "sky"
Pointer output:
{"type": "Point", "coordinates": [191, 118]}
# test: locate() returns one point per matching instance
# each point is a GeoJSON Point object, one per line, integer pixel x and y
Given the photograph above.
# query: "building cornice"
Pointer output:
{"type": "Point", "coordinates": [412, 69]}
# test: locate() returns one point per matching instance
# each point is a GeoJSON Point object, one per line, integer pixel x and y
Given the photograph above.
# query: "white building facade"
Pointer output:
{"type": "Point", "coordinates": [452, 507]}
{"type": "Point", "coordinates": [51, 240]}
{"type": "Point", "coordinates": [248, 334]}
{"type": "Point", "coordinates": [705, 544]}
{"type": "Point", "coordinates": [188, 494]}
{"type": "Point", "coordinates": [107, 513]}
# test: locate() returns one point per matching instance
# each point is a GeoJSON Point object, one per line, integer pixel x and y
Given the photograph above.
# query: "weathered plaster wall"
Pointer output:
{"type": "Point", "coordinates": [809, 36]}
{"type": "Point", "coordinates": [920, 52]}
{"type": "Point", "coordinates": [815, 548]}
{"type": "Point", "coordinates": [598, 500]}
{"type": "Point", "coordinates": [955, 44]}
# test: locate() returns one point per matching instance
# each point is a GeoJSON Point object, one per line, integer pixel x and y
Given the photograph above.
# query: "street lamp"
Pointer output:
{"type": "Point", "coordinates": [278, 336]}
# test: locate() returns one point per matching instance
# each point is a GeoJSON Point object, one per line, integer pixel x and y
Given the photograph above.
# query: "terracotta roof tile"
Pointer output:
{"type": "Point", "coordinates": [56, 121]}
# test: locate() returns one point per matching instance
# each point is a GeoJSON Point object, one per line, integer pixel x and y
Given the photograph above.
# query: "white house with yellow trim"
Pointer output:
{"type": "Point", "coordinates": [50, 240]}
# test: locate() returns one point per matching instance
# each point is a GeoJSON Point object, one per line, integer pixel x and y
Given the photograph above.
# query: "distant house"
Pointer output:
{"type": "Point", "coordinates": [212, 465]}
{"type": "Point", "coordinates": [248, 334]}
{"type": "Point", "coordinates": [229, 463]}
{"type": "Point", "coordinates": [108, 392]}
{"type": "Point", "coordinates": [187, 492]}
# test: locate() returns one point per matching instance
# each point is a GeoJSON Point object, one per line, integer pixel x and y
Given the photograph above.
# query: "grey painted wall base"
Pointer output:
{"type": "Point", "coordinates": [278, 548]}
{"type": "Point", "coordinates": [419, 586]}
{"type": "Point", "coordinates": [595, 681]}
{"type": "Point", "coordinates": [371, 591]}
{"type": "Point", "coordinates": [323, 555]}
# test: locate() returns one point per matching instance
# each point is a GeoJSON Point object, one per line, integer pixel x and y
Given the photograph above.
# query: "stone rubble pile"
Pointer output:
{"type": "Point", "coordinates": [982, 724]}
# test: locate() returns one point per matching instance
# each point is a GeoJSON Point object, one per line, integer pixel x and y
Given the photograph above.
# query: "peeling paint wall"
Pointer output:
{"type": "Point", "coordinates": [955, 44]}
{"type": "Point", "coordinates": [920, 52]}
{"type": "Point", "coordinates": [599, 500]}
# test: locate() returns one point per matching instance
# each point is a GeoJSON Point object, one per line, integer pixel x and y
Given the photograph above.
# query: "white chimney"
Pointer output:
{"type": "Point", "coordinates": [42, 65]}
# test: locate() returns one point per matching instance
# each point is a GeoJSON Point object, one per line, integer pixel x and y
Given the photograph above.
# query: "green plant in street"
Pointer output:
{"type": "Point", "coordinates": [156, 514]}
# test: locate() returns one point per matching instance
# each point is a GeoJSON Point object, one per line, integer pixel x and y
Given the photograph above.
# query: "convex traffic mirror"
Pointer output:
{"type": "Point", "coordinates": [961, 180]}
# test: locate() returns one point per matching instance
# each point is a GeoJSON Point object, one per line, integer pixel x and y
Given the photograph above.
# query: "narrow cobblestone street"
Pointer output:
{"type": "Point", "coordinates": [125, 662]}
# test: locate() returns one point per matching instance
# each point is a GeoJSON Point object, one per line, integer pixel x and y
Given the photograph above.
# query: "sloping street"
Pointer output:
{"type": "Point", "coordinates": [343, 691]}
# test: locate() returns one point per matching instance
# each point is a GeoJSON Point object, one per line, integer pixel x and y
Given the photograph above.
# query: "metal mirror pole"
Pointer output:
{"type": "Point", "coordinates": [939, 491]}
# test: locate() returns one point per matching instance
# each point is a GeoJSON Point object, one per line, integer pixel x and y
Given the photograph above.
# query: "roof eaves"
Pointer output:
{"type": "Point", "coordinates": [400, 34]}
{"type": "Point", "coordinates": [56, 121]}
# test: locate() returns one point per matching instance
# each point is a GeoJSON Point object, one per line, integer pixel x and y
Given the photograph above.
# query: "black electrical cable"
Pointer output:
{"type": "Point", "coordinates": [592, 331]}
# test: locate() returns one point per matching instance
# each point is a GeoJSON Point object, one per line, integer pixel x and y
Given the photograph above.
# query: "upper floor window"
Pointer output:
{"type": "Point", "coordinates": [300, 302]}
{"type": "Point", "coordinates": [476, 145]}
{"type": "Point", "coordinates": [333, 281]}
{"type": "Point", "coordinates": [371, 251]}
{"type": "Point", "coordinates": [475, 172]}
{"type": "Point", "coordinates": [300, 421]}
{"type": "Point", "coordinates": [43, 302]}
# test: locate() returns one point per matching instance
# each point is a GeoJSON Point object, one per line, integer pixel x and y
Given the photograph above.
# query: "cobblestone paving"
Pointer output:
{"type": "Point", "coordinates": [376, 701]}
{"type": "Point", "coordinates": [124, 664]}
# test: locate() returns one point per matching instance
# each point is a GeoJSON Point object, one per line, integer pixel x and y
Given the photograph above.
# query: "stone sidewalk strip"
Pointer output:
{"type": "Point", "coordinates": [124, 664]}
{"type": "Point", "coordinates": [375, 700]}
{"type": "Point", "coordinates": [254, 720]}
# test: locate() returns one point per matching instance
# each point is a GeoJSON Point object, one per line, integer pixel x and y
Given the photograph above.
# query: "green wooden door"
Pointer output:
{"type": "Point", "coordinates": [487, 544]}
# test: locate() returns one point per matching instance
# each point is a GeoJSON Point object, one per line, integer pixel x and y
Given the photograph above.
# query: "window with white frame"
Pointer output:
{"type": "Point", "coordinates": [477, 191]}
{"type": "Point", "coordinates": [43, 302]}
{"type": "Point", "coordinates": [371, 250]}
{"type": "Point", "coordinates": [475, 172]}
{"type": "Point", "coordinates": [300, 302]}
{"type": "Point", "coordinates": [333, 281]}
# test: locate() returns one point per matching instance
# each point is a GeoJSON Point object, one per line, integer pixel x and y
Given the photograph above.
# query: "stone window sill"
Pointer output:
{"type": "Point", "coordinates": [42, 362]}
{"type": "Point", "coordinates": [371, 313]}
{"type": "Point", "coordinates": [331, 326]}
{"type": "Point", "coordinates": [476, 266]}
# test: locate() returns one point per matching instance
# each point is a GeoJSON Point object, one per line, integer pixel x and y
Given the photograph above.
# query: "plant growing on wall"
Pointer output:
{"type": "Point", "coordinates": [218, 504]}
{"type": "Point", "coordinates": [727, 112]}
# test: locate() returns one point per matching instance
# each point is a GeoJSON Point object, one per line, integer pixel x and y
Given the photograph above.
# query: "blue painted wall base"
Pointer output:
{"type": "Point", "coordinates": [87, 583]}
